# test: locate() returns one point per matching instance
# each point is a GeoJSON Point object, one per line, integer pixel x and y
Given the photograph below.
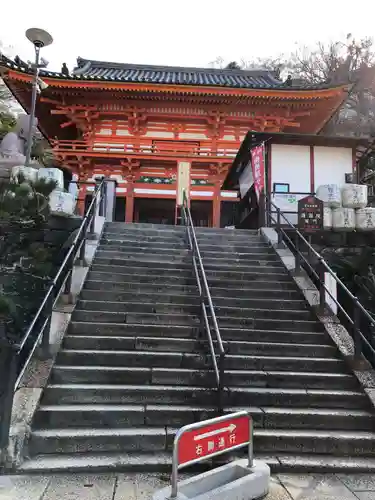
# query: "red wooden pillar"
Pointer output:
{"type": "Point", "coordinates": [129, 207]}
{"type": "Point", "coordinates": [216, 205]}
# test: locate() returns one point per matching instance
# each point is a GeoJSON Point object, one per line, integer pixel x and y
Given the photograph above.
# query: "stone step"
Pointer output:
{"type": "Point", "coordinates": [157, 229]}
{"type": "Point", "coordinates": [137, 252]}
{"type": "Point", "coordinates": [212, 266]}
{"type": "Point", "coordinates": [182, 376]}
{"type": "Point", "coordinates": [122, 245]}
{"type": "Point", "coordinates": [152, 298]}
{"type": "Point", "coordinates": [167, 359]}
{"type": "Point", "coordinates": [268, 323]}
{"type": "Point", "coordinates": [164, 344]}
{"type": "Point", "coordinates": [219, 261]}
{"type": "Point", "coordinates": [137, 287]}
{"type": "Point", "coordinates": [135, 318]}
{"type": "Point", "coordinates": [151, 263]}
{"type": "Point", "coordinates": [134, 267]}
{"type": "Point", "coordinates": [133, 439]}
{"type": "Point", "coordinates": [263, 288]}
{"type": "Point", "coordinates": [215, 278]}
{"type": "Point", "coordinates": [139, 237]}
{"type": "Point", "coordinates": [156, 439]}
{"type": "Point", "coordinates": [201, 232]}
{"type": "Point", "coordinates": [139, 307]}
{"type": "Point", "coordinates": [241, 261]}
{"type": "Point", "coordinates": [190, 395]}
{"type": "Point", "coordinates": [138, 278]}
{"type": "Point", "coordinates": [127, 394]}
{"type": "Point", "coordinates": [118, 416]}
{"type": "Point", "coordinates": [274, 320]}
{"type": "Point", "coordinates": [222, 250]}
{"type": "Point", "coordinates": [262, 299]}
{"type": "Point", "coordinates": [119, 329]}
{"type": "Point", "coordinates": [347, 443]}
{"type": "Point", "coordinates": [162, 462]}
{"type": "Point", "coordinates": [148, 344]}
{"type": "Point", "coordinates": [194, 309]}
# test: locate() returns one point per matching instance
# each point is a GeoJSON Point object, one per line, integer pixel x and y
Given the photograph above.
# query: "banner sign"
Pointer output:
{"type": "Point", "coordinates": [257, 162]}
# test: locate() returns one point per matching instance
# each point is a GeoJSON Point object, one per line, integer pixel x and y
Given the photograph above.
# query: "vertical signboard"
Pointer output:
{"type": "Point", "coordinates": [310, 214]}
{"type": "Point", "coordinates": [258, 164]}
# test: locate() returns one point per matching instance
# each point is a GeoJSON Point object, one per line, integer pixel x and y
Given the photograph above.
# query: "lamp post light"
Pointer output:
{"type": "Point", "coordinates": [39, 38]}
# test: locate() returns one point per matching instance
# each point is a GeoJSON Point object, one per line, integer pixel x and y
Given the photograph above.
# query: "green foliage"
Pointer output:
{"type": "Point", "coordinates": [7, 122]}
{"type": "Point", "coordinates": [356, 269]}
{"type": "Point", "coordinates": [26, 261]}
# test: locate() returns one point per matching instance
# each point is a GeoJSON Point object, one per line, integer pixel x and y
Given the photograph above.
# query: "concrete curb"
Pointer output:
{"type": "Point", "coordinates": [339, 335]}
{"type": "Point", "coordinates": [231, 481]}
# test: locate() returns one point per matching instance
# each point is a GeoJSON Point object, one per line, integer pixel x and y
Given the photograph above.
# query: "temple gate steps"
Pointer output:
{"type": "Point", "coordinates": [130, 371]}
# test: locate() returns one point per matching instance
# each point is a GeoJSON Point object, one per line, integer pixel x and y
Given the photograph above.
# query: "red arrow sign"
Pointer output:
{"type": "Point", "coordinates": [213, 439]}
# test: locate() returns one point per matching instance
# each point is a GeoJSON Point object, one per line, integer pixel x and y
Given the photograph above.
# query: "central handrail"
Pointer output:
{"type": "Point", "coordinates": [358, 337]}
{"type": "Point", "coordinates": [205, 294]}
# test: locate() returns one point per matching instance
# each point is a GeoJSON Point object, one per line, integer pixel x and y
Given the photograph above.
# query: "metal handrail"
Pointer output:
{"type": "Point", "coordinates": [42, 318]}
{"type": "Point", "coordinates": [204, 292]}
{"type": "Point", "coordinates": [358, 337]}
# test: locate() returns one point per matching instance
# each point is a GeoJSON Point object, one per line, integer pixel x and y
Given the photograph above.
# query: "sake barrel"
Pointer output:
{"type": "Point", "coordinates": [30, 174]}
{"type": "Point", "coordinates": [343, 219]}
{"type": "Point", "coordinates": [365, 219]}
{"type": "Point", "coordinates": [61, 203]}
{"type": "Point", "coordinates": [354, 195]}
{"type": "Point", "coordinates": [330, 195]}
{"type": "Point", "coordinates": [327, 218]}
{"type": "Point", "coordinates": [52, 174]}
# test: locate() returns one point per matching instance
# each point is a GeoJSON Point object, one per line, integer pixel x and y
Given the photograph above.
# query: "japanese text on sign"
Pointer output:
{"type": "Point", "coordinates": [310, 214]}
{"type": "Point", "coordinates": [257, 162]}
{"type": "Point", "coordinates": [213, 439]}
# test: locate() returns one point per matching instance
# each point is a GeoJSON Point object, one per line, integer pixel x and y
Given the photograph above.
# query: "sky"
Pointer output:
{"type": "Point", "coordinates": [181, 32]}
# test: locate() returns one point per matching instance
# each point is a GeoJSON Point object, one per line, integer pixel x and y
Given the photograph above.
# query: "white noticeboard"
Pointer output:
{"type": "Point", "coordinates": [287, 203]}
{"type": "Point", "coordinates": [246, 180]}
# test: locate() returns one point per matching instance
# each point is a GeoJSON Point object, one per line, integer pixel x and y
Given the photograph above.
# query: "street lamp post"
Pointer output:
{"type": "Point", "coordinates": [39, 38]}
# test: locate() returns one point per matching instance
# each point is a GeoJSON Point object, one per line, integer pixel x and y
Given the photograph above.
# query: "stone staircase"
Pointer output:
{"type": "Point", "coordinates": [130, 370]}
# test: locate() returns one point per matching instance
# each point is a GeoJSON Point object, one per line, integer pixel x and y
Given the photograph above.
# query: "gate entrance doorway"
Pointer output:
{"type": "Point", "coordinates": [154, 211]}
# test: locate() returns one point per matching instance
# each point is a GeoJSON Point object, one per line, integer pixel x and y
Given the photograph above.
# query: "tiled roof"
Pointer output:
{"type": "Point", "coordinates": [91, 70]}
{"type": "Point", "coordinates": [141, 73]}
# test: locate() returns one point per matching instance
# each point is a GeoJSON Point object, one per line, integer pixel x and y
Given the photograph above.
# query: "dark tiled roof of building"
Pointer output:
{"type": "Point", "coordinates": [91, 70]}
{"type": "Point", "coordinates": [142, 73]}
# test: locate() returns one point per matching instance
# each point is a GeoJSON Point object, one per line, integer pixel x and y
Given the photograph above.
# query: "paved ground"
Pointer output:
{"type": "Point", "coordinates": [141, 487]}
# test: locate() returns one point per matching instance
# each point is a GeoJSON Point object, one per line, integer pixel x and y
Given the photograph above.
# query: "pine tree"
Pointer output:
{"type": "Point", "coordinates": [26, 260]}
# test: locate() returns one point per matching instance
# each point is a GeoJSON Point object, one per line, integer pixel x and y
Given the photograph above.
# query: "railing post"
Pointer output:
{"type": "Point", "coordinates": [102, 199]}
{"type": "Point", "coordinates": [357, 331]}
{"type": "Point", "coordinates": [69, 278]}
{"type": "Point", "coordinates": [262, 209]}
{"type": "Point", "coordinates": [8, 376]}
{"type": "Point", "coordinates": [221, 385]}
{"type": "Point", "coordinates": [94, 208]}
{"type": "Point", "coordinates": [110, 199]}
{"type": "Point", "coordinates": [278, 229]}
{"type": "Point", "coordinates": [322, 290]}
{"type": "Point", "coordinates": [82, 251]}
{"type": "Point", "coordinates": [297, 256]}
{"type": "Point", "coordinates": [46, 341]}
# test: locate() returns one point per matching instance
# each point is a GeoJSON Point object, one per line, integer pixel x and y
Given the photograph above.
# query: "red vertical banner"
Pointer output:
{"type": "Point", "coordinates": [257, 163]}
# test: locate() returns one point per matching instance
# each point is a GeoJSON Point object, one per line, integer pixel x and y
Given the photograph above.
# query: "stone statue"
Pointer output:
{"type": "Point", "coordinates": [13, 145]}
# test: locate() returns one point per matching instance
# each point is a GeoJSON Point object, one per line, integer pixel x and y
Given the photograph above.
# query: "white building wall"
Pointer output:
{"type": "Point", "coordinates": [331, 165]}
{"type": "Point", "coordinates": [291, 164]}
